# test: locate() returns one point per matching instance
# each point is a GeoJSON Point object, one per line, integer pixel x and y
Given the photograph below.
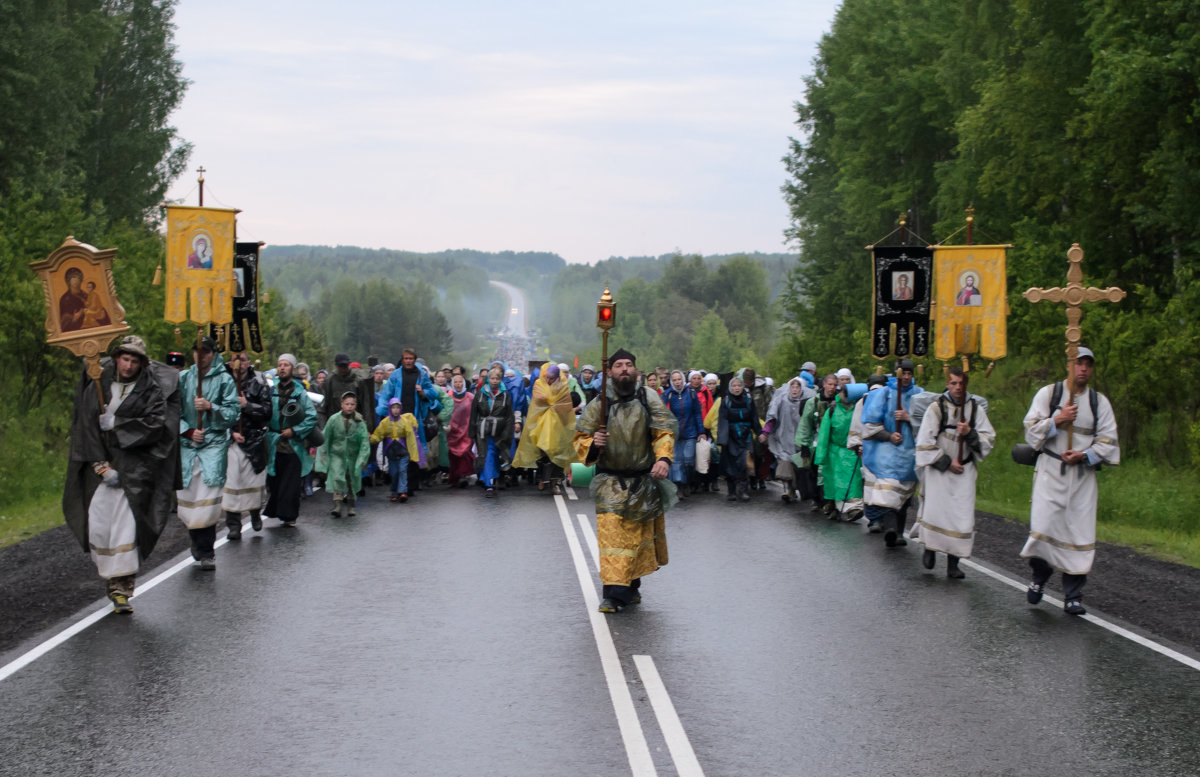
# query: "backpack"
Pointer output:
{"type": "Point", "coordinates": [1093, 400]}
{"type": "Point", "coordinates": [1023, 453]}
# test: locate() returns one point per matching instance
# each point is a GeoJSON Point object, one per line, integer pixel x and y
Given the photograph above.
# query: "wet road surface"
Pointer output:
{"type": "Point", "coordinates": [450, 636]}
{"type": "Point", "coordinates": [517, 320]}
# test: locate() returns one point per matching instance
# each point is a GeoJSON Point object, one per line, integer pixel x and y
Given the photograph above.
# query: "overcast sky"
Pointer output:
{"type": "Point", "coordinates": [586, 129]}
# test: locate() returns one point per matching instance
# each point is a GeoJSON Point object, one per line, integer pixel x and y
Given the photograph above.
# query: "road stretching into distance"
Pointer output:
{"type": "Point", "coordinates": [517, 321]}
{"type": "Point", "coordinates": [457, 635]}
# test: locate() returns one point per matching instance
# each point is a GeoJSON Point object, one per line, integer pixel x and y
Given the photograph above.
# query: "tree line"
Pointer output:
{"type": "Point", "coordinates": [1059, 123]}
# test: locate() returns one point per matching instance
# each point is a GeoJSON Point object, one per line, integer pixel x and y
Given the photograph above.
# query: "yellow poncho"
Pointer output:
{"type": "Point", "coordinates": [549, 426]}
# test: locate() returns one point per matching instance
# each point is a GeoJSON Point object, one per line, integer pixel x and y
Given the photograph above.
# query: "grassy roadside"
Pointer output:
{"type": "Point", "coordinates": [20, 522]}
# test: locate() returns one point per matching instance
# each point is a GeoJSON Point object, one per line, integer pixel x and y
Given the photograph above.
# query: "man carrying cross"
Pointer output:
{"type": "Point", "coordinates": [1074, 440]}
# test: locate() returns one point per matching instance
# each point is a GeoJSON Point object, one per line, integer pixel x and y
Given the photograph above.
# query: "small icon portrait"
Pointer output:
{"type": "Point", "coordinates": [968, 290]}
{"type": "Point", "coordinates": [239, 276]}
{"type": "Point", "coordinates": [902, 285]}
{"type": "Point", "coordinates": [72, 303]}
{"type": "Point", "coordinates": [201, 257]}
{"type": "Point", "coordinates": [94, 313]}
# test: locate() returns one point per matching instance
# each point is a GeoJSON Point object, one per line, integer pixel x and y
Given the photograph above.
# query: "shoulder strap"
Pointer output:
{"type": "Point", "coordinates": [1094, 398]}
{"type": "Point", "coordinates": [1056, 395]}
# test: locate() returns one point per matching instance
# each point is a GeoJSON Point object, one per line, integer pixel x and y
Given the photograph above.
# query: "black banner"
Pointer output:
{"type": "Point", "coordinates": [244, 331]}
{"type": "Point", "coordinates": [903, 287]}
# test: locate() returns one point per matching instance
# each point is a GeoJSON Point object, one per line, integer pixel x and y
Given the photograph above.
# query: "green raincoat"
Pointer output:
{"type": "Point", "coordinates": [345, 452]}
{"type": "Point", "coordinates": [839, 465]}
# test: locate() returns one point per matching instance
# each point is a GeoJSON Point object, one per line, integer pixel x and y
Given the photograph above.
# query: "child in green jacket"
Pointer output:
{"type": "Point", "coordinates": [344, 454]}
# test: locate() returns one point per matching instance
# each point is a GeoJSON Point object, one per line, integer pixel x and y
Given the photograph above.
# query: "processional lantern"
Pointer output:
{"type": "Point", "coordinates": [606, 311]}
{"type": "Point", "coordinates": [606, 319]}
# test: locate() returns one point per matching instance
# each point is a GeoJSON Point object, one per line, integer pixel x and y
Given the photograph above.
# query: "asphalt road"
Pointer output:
{"type": "Point", "coordinates": [517, 320]}
{"type": "Point", "coordinates": [452, 636]}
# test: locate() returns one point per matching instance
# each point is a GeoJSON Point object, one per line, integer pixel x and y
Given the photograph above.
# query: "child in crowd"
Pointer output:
{"type": "Point", "coordinates": [344, 454]}
{"type": "Point", "coordinates": [397, 439]}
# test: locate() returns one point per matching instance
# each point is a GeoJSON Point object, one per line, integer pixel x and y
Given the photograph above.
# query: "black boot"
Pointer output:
{"type": "Point", "coordinates": [731, 487]}
{"type": "Point", "coordinates": [952, 570]}
{"type": "Point", "coordinates": [743, 490]}
{"type": "Point", "coordinates": [234, 522]}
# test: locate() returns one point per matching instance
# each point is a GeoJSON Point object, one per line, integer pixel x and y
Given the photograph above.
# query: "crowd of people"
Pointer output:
{"type": "Point", "coordinates": [217, 441]}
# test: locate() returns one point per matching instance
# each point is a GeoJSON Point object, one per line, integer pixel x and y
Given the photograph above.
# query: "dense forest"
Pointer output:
{"type": "Point", "coordinates": [715, 311]}
{"type": "Point", "coordinates": [377, 300]}
{"type": "Point", "coordinates": [1059, 122]}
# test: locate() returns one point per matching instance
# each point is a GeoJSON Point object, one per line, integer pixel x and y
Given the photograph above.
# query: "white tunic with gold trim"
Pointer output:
{"type": "Point", "coordinates": [947, 522]}
{"type": "Point", "coordinates": [1062, 521]}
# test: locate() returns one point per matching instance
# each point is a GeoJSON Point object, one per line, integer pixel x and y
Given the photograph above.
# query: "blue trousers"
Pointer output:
{"type": "Point", "coordinates": [398, 469]}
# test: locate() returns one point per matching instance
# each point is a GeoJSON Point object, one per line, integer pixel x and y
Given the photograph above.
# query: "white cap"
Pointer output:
{"type": "Point", "coordinates": [1085, 352]}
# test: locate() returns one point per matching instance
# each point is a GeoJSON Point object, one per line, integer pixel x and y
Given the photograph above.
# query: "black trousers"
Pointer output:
{"type": "Point", "coordinates": [1072, 584]}
{"type": "Point", "coordinates": [202, 542]}
{"type": "Point", "coordinates": [622, 594]}
{"type": "Point", "coordinates": [283, 488]}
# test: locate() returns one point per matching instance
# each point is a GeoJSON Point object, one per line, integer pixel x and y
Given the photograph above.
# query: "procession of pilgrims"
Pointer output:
{"type": "Point", "coordinates": [215, 440]}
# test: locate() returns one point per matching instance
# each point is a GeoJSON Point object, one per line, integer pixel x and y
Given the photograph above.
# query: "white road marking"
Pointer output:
{"type": "Point", "coordinates": [632, 735]}
{"type": "Point", "coordinates": [570, 492]}
{"type": "Point", "coordinates": [668, 720]}
{"type": "Point", "coordinates": [1114, 628]}
{"type": "Point", "coordinates": [64, 635]}
{"type": "Point", "coordinates": [589, 534]}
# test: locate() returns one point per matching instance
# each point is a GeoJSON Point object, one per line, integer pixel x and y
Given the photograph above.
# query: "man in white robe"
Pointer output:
{"type": "Point", "coordinates": [1074, 440]}
{"type": "Point", "coordinates": [123, 466]}
{"type": "Point", "coordinates": [955, 435]}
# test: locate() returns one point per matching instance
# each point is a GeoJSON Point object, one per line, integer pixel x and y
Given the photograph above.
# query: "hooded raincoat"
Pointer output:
{"type": "Point", "coordinates": [549, 426]}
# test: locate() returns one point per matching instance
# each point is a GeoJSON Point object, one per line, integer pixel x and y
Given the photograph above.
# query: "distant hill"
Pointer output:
{"type": "Point", "coordinates": [459, 279]}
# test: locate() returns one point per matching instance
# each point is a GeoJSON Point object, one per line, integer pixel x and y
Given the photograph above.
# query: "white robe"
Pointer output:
{"type": "Point", "coordinates": [199, 503]}
{"type": "Point", "coordinates": [947, 522]}
{"type": "Point", "coordinates": [243, 489]}
{"type": "Point", "coordinates": [1062, 521]}
{"type": "Point", "coordinates": [112, 529]}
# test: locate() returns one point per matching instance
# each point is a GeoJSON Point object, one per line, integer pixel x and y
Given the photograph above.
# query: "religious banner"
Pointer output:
{"type": "Point", "coordinates": [244, 333]}
{"type": "Point", "coordinates": [971, 301]}
{"type": "Point", "coordinates": [903, 284]}
{"type": "Point", "coordinates": [82, 311]}
{"type": "Point", "coordinates": [200, 271]}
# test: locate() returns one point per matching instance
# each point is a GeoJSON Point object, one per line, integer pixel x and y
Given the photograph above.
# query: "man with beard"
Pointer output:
{"type": "Point", "coordinates": [288, 461]}
{"type": "Point", "coordinates": [632, 450]}
{"type": "Point", "coordinates": [246, 469]}
{"type": "Point", "coordinates": [124, 464]}
{"type": "Point", "coordinates": [1074, 440]}
{"type": "Point", "coordinates": [955, 434]}
{"type": "Point", "coordinates": [412, 385]}
{"type": "Point", "coordinates": [889, 452]}
{"type": "Point", "coordinates": [210, 408]}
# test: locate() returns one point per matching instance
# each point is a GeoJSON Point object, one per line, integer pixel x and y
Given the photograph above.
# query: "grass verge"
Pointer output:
{"type": "Point", "coordinates": [20, 522]}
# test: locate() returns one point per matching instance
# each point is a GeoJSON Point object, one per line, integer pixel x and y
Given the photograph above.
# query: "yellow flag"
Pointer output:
{"type": "Point", "coordinates": [200, 264]}
{"type": "Point", "coordinates": [971, 301]}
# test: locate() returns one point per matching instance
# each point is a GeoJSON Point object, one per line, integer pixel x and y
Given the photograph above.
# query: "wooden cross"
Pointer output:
{"type": "Point", "coordinates": [1074, 295]}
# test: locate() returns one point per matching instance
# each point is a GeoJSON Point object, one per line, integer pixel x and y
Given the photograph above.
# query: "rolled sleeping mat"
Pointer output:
{"type": "Point", "coordinates": [581, 475]}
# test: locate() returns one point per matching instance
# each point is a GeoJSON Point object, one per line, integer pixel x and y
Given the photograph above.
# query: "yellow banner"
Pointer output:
{"type": "Point", "coordinates": [971, 301]}
{"type": "Point", "coordinates": [200, 264]}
